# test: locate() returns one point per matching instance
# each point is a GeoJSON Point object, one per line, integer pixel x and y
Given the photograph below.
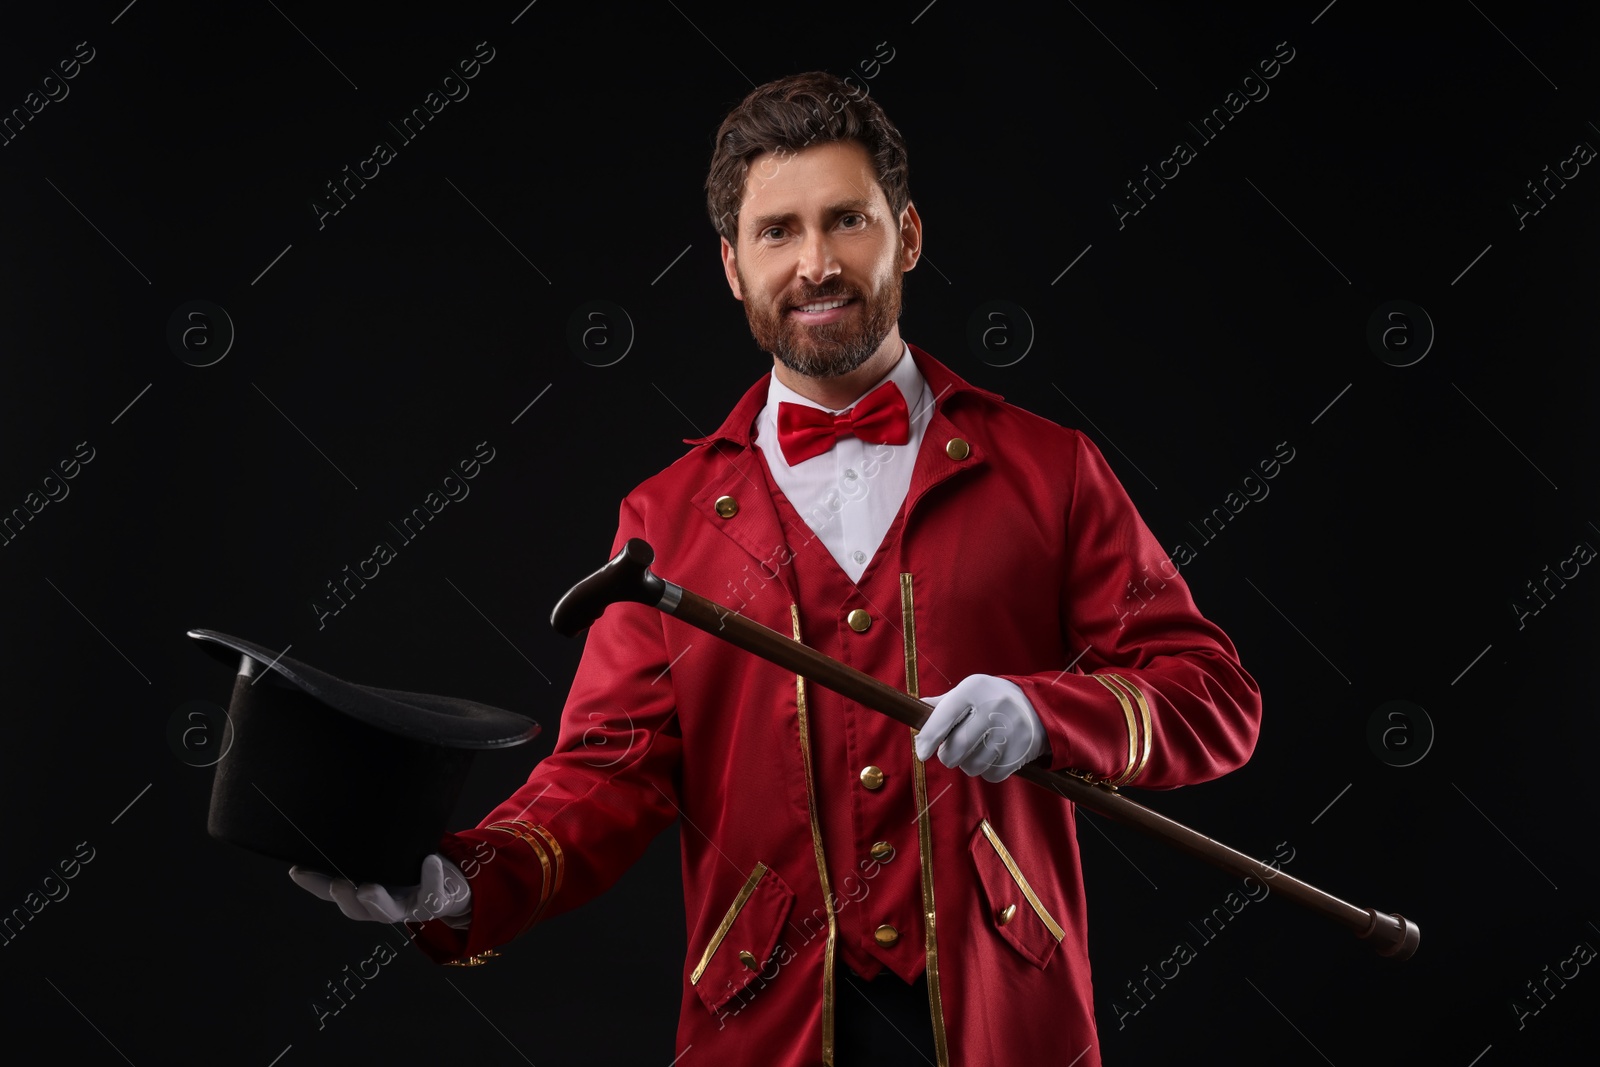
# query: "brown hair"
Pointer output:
{"type": "Point", "coordinates": [793, 113]}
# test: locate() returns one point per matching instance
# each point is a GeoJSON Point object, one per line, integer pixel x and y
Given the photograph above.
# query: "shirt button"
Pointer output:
{"type": "Point", "coordinates": [727, 507]}
{"type": "Point", "coordinates": [859, 556]}
{"type": "Point", "coordinates": [872, 777]}
{"type": "Point", "coordinates": [956, 449]}
{"type": "Point", "coordinates": [886, 935]}
{"type": "Point", "coordinates": [883, 852]}
{"type": "Point", "coordinates": [747, 958]}
{"type": "Point", "coordinates": [1007, 913]}
{"type": "Point", "coordinates": [850, 474]}
{"type": "Point", "coordinates": [859, 621]}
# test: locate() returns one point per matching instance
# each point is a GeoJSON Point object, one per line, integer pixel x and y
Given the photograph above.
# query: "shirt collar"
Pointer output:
{"type": "Point", "coordinates": [944, 383]}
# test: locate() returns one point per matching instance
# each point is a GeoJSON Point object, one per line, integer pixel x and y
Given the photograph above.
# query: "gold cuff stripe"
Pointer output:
{"type": "Point", "coordinates": [1022, 883]}
{"type": "Point", "coordinates": [727, 921]}
{"type": "Point", "coordinates": [536, 844]}
{"type": "Point", "coordinates": [555, 854]}
{"type": "Point", "coordinates": [816, 848]}
{"type": "Point", "coordinates": [544, 866]}
{"type": "Point", "coordinates": [1133, 729]}
{"type": "Point", "coordinates": [1144, 716]}
{"type": "Point", "coordinates": [919, 780]}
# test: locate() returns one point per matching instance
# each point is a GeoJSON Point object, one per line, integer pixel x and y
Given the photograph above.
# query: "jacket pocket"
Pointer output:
{"type": "Point", "coordinates": [744, 941]}
{"type": "Point", "coordinates": [1015, 911]}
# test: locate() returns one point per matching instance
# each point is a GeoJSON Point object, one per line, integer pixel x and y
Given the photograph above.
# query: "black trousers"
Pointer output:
{"type": "Point", "coordinates": [882, 1022]}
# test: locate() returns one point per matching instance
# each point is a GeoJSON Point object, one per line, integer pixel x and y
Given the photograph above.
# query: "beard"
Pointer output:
{"type": "Point", "coordinates": [833, 349]}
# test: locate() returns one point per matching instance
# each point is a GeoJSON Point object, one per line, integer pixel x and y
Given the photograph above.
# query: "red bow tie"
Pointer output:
{"type": "Point", "coordinates": [880, 417]}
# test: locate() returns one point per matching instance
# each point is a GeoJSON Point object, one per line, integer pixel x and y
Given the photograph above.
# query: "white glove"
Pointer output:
{"type": "Point", "coordinates": [442, 881]}
{"type": "Point", "coordinates": [985, 726]}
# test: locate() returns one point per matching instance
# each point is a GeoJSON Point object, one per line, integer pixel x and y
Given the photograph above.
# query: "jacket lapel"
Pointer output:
{"type": "Point", "coordinates": [935, 462]}
{"type": "Point", "coordinates": [753, 525]}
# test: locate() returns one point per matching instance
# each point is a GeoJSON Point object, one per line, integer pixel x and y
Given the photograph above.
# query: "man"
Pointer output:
{"type": "Point", "coordinates": [846, 893]}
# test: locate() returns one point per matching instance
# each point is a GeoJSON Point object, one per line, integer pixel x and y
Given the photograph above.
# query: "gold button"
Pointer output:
{"type": "Point", "coordinates": [956, 448]}
{"type": "Point", "coordinates": [750, 961]}
{"type": "Point", "coordinates": [1008, 913]}
{"type": "Point", "coordinates": [886, 935]}
{"type": "Point", "coordinates": [859, 621]}
{"type": "Point", "coordinates": [883, 852]}
{"type": "Point", "coordinates": [872, 777]}
{"type": "Point", "coordinates": [727, 507]}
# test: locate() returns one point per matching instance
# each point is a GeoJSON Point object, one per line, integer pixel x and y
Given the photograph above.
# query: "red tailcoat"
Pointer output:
{"type": "Point", "coordinates": [810, 833]}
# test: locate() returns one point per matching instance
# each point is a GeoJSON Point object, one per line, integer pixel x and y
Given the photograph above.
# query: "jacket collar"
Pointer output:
{"type": "Point", "coordinates": [748, 515]}
{"type": "Point", "coordinates": [739, 426]}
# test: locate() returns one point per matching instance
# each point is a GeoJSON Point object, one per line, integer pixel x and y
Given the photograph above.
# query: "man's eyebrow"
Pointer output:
{"type": "Point", "coordinates": [842, 207]}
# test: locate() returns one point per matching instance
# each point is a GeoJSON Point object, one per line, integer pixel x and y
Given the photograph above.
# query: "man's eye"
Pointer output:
{"type": "Point", "coordinates": [852, 222]}
{"type": "Point", "coordinates": [772, 232]}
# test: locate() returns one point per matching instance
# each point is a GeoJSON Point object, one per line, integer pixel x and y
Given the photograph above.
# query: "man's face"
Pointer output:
{"type": "Point", "coordinates": [816, 231]}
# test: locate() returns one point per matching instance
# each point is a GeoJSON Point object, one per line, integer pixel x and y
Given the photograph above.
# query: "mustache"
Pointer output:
{"type": "Point", "coordinates": [827, 292]}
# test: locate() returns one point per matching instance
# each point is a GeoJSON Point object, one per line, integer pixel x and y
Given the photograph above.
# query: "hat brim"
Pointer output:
{"type": "Point", "coordinates": [449, 722]}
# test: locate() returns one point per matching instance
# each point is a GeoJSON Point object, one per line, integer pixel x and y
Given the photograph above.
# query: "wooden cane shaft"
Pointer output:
{"type": "Point", "coordinates": [1390, 932]}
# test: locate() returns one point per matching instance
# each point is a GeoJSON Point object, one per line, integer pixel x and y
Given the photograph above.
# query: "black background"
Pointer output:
{"type": "Point", "coordinates": [375, 351]}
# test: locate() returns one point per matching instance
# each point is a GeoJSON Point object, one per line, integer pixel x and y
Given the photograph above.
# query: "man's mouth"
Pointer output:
{"type": "Point", "coordinates": [821, 312]}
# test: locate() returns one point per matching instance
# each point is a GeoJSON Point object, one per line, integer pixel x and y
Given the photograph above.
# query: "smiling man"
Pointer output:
{"type": "Point", "coordinates": [819, 268]}
{"type": "Point", "coordinates": [849, 897]}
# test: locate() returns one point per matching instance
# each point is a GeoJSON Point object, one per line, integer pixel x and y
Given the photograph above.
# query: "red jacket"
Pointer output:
{"type": "Point", "coordinates": [809, 828]}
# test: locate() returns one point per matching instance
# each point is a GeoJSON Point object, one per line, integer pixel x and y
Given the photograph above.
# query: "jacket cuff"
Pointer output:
{"type": "Point", "coordinates": [1094, 724]}
{"type": "Point", "coordinates": [513, 870]}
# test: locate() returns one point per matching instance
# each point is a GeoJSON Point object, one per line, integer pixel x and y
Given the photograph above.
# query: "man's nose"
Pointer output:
{"type": "Point", "coordinates": [817, 262]}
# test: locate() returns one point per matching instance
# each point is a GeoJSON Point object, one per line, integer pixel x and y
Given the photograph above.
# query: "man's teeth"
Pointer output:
{"type": "Point", "coordinates": [823, 305]}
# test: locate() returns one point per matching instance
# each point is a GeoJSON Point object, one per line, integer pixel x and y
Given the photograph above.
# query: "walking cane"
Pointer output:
{"type": "Point", "coordinates": [627, 577]}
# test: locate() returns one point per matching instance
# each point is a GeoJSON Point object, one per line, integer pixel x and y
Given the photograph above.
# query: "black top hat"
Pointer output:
{"type": "Point", "coordinates": [348, 779]}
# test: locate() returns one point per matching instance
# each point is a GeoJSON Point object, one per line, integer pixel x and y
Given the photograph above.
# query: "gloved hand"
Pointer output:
{"type": "Point", "coordinates": [451, 897]}
{"type": "Point", "coordinates": [985, 726]}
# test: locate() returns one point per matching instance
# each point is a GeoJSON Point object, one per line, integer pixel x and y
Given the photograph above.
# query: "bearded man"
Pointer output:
{"type": "Point", "coordinates": [848, 896]}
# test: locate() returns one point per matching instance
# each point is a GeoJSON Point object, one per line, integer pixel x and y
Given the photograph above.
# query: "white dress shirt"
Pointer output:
{"type": "Point", "coordinates": [850, 494]}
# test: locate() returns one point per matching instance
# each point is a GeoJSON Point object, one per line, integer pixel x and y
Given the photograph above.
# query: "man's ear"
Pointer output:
{"type": "Point", "coordinates": [910, 237]}
{"type": "Point", "coordinates": [729, 269]}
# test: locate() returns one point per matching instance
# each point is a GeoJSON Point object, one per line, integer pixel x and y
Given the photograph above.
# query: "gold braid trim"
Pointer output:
{"type": "Point", "coordinates": [515, 829]}
{"type": "Point", "coordinates": [1144, 715]}
{"type": "Point", "coordinates": [1133, 729]}
{"type": "Point", "coordinates": [919, 780]}
{"type": "Point", "coordinates": [816, 848]}
{"type": "Point", "coordinates": [1022, 883]}
{"type": "Point", "coordinates": [727, 921]}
